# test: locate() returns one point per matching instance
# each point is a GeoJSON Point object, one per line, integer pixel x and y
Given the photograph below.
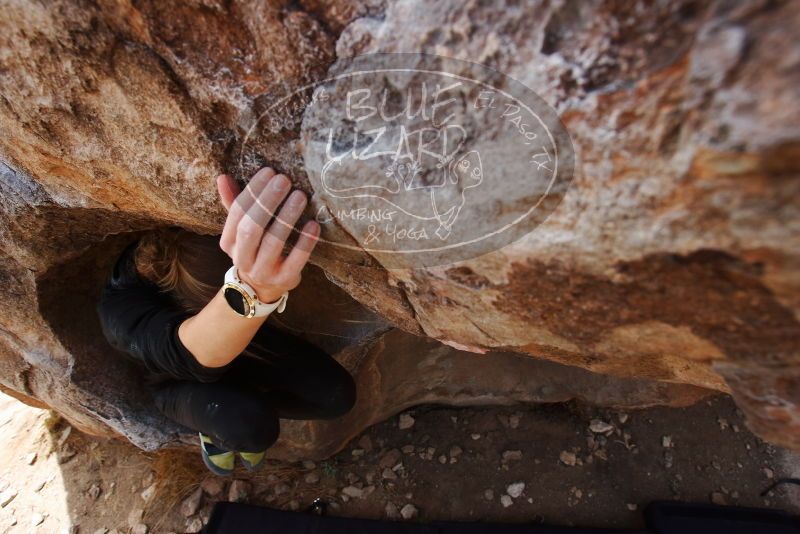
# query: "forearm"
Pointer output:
{"type": "Point", "coordinates": [216, 335]}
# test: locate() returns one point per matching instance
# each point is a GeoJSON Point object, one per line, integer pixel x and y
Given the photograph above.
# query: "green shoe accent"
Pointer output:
{"type": "Point", "coordinates": [218, 461]}
{"type": "Point", "coordinates": [252, 460]}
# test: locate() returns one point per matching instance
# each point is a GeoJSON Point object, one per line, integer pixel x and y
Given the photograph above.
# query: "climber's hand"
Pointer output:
{"type": "Point", "coordinates": [255, 241]}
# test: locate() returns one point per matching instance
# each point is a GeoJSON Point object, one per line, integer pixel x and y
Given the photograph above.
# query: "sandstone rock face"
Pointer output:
{"type": "Point", "coordinates": [669, 269]}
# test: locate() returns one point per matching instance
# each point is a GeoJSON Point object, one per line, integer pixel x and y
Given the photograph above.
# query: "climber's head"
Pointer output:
{"type": "Point", "coordinates": [189, 266]}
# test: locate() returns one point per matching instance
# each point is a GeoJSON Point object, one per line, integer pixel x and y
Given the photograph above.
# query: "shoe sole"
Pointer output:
{"type": "Point", "coordinates": [214, 468]}
{"type": "Point", "coordinates": [250, 467]}
{"type": "Point", "coordinates": [217, 470]}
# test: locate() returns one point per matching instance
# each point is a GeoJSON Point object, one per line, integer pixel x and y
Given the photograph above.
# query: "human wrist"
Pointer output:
{"type": "Point", "coordinates": [243, 297]}
{"type": "Point", "coordinates": [269, 295]}
{"type": "Point", "coordinates": [266, 294]}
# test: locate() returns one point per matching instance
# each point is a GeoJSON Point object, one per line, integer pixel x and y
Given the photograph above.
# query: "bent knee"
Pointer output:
{"type": "Point", "coordinates": [255, 429]}
{"type": "Point", "coordinates": [256, 439]}
{"type": "Point", "coordinates": [340, 397]}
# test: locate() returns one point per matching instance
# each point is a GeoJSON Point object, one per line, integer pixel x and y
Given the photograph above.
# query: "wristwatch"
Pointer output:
{"type": "Point", "coordinates": [243, 300]}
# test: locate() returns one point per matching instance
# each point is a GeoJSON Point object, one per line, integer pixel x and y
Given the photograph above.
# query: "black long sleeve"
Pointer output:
{"type": "Point", "coordinates": [139, 319]}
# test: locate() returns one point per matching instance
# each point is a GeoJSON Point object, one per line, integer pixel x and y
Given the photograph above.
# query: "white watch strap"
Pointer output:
{"type": "Point", "coordinates": [261, 308]}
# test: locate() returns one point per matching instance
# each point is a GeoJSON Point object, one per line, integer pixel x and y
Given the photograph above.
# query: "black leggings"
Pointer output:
{"type": "Point", "coordinates": [284, 377]}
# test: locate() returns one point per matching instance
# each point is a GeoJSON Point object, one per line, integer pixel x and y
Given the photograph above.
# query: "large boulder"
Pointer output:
{"type": "Point", "coordinates": [669, 269]}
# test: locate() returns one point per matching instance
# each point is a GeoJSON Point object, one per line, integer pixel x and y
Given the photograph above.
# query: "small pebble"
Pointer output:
{"type": "Point", "coordinates": [191, 503]}
{"type": "Point", "coordinates": [212, 486]}
{"type": "Point", "coordinates": [390, 459]}
{"type": "Point", "coordinates": [409, 511]}
{"type": "Point", "coordinates": [568, 458]}
{"type": "Point", "coordinates": [62, 438]}
{"type": "Point", "coordinates": [506, 501]}
{"type": "Point", "coordinates": [354, 492]}
{"type": "Point", "coordinates": [93, 491]}
{"type": "Point", "coordinates": [148, 492]}
{"type": "Point", "coordinates": [516, 489]}
{"type": "Point", "coordinates": [406, 421]}
{"type": "Point", "coordinates": [239, 491]}
{"type": "Point", "coordinates": [194, 525]}
{"type": "Point", "coordinates": [718, 498]}
{"type": "Point", "coordinates": [600, 427]}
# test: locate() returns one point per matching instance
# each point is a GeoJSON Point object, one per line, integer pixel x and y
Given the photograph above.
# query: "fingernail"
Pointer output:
{"type": "Point", "coordinates": [297, 198]}
{"type": "Point", "coordinates": [279, 182]}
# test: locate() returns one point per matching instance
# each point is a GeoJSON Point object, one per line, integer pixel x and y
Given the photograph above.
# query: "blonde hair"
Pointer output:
{"type": "Point", "coordinates": [189, 266]}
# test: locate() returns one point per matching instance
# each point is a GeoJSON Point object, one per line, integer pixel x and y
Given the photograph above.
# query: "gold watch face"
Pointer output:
{"type": "Point", "coordinates": [238, 300]}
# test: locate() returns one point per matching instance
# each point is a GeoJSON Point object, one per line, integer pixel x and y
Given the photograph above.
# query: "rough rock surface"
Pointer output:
{"type": "Point", "coordinates": [672, 263]}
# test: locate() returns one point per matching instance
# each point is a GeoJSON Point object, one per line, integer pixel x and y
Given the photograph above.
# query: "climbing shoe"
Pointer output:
{"type": "Point", "coordinates": [218, 461]}
{"type": "Point", "coordinates": [252, 460]}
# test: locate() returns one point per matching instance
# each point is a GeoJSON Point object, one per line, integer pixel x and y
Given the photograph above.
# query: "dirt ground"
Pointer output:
{"type": "Point", "coordinates": [564, 464]}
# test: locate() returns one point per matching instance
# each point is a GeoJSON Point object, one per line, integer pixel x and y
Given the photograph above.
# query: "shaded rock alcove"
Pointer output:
{"type": "Point", "coordinates": [394, 370]}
